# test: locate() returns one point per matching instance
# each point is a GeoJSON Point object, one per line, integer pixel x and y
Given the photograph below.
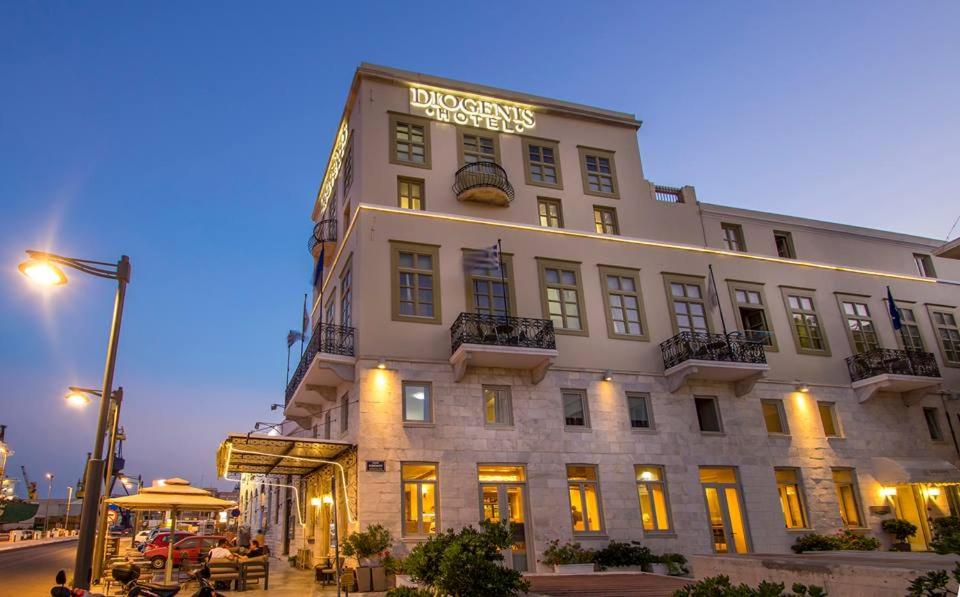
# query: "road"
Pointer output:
{"type": "Point", "coordinates": [31, 572]}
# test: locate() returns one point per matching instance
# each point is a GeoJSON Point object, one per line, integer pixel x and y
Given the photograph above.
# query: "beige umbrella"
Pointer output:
{"type": "Point", "coordinates": [175, 495]}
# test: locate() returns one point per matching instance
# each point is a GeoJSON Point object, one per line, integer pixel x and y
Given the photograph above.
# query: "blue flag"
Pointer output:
{"type": "Point", "coordinates": [894, 312]}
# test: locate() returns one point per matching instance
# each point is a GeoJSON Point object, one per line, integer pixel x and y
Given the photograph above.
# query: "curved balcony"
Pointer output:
{"type": "Point", "coordinates": [324, 238]}
{"type": "Point", "coordinates": [502, 342]}
{"type": "Point", "coordinates": [713, 357]}
{"type": "Point", "coordinates": [327, 362]}
{"type": "Point", "coordinates": [911, 373]}
{"type": "Point", "coordinates": [483, 182]}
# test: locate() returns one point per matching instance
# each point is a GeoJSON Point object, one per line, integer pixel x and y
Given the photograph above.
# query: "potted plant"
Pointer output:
{"type": "Point", "coordinates": [901, 530]}
{"type": "Point", "coordinates": [676, 564]}
{"type": "Point", "coordinates": [369, 547]}
{"type": "Point", "coordinates": [656, 565]}
{"type": "Point", "coordinates": [569, 558]}
{"type": "Point", "coordinates": [623, 556]}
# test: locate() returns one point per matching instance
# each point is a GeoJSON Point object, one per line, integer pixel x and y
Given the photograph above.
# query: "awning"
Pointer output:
{"type": "Point", "coordinates": [262, 454]}
{"type": "Point", "coordinates": [895, 471]}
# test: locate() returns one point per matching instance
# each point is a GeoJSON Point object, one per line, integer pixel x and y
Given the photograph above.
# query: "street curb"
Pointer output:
{"type": "Point", "coordinates": [18, 545]}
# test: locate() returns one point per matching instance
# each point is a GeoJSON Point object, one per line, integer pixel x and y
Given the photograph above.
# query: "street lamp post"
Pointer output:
{"type": "Point", "coordinates": [66, 517]}
{"type": "Point", "coordinates": [46, 515]}
{"type": "Point", "coordinates": [42, 268]}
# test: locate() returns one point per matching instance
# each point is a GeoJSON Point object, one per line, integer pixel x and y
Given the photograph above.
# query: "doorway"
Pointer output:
{"type": "Point", "coordinates": [920, 503]}
{"type": "Point", "coordinates": [503, 497]}
{"type": "Point", "coordinates": [724, 503]}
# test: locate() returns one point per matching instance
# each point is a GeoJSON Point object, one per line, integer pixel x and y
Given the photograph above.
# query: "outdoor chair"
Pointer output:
{"type": "Point", "coordinates": [329, 572]}
{"type": "Point", "coordinates": [224, 570]}
{"type": "Point", "coordinates": [253, 569]}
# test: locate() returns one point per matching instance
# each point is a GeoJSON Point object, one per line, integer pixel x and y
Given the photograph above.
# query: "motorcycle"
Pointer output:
{"type": "Point", "coordinates": [61, 590]}
{"type": "Point", "coordinates": [128, 574]}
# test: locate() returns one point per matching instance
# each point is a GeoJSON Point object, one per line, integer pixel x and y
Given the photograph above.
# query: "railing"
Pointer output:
{"type": "Point", "coordinates": [762, 336]}
{"type": "Point", "coordinates": [328, 338]}
{"type": "Point", "coordinates": [687, 346]}
{"type": "Point", "coordinates": [894, 362]}
{"type": "Point", "coordinates": [482, 174]}
{"type": "Point", "coordinates": [668, 194]}
{"type": "Point", "coordinates": [324, 232]}
{"type": "Point", "coordinates": [495, 330]}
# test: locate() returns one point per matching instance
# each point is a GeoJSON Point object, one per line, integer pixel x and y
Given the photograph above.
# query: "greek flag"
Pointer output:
{"type": "Point", "coordinates": [292, 337]}
{"type": "Point", "coordinates": [488, 258]}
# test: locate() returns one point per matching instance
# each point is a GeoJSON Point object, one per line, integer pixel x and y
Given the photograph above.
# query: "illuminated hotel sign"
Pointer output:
{"type": "Point", "coordinates": [333, 168]}
{"type": "Point", "coordinates": [484, 113]}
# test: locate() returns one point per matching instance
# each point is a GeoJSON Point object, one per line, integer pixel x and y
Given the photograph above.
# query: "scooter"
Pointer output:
{"type": "Point", "coordinates": [129, 574]}
{"type": "Point", "coordinates": [61, 590]}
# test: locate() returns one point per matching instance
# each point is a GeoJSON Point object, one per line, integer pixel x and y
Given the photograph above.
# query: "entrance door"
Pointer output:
{"type": "Point", "coordinates": [910, 508]}
{"type": "Point", "coordinates": [503, 498]}
{"type": "Point", "coordinates": [728, 526]}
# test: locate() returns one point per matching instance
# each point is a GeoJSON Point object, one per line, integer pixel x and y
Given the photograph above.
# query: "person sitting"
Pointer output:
{"type": "Point", "coordinates": [221, 552]}
{"type": "Point", "coordinates": [256, 550]}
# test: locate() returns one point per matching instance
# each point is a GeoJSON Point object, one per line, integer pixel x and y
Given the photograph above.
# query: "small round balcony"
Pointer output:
{"type": "Point", "coordinates": [324, 238]}
{"type": "Point", "coordinates": [483, 182]}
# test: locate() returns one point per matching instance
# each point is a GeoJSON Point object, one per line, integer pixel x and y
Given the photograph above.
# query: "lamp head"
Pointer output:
{"type": "Point", "coordinates": [43, 272]}
{"type": "Point", "coordinates": [77, 399]}
{"type": "Point", "coordinates": [328, 499]}
{"type": "Point", "coordinates": [607, 375]}
{"type": "Point", "coordinates": [382, 363]}
{"type": "Point", "coordinates": [802, 387]}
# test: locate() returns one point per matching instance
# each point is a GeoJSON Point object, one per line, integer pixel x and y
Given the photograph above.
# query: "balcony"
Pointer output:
{"type": "Point", "coordinates": [713, 357]}
{"type": "Point", "coordinates": [324, 238]}
{"type": "Point", "coordinates": [911, 373]}
{"type": "Point", "coordinates": [327, 362]}
{"type": "Point", "coordinates": [502, 342]}
{"type": "Point", "coordinates": [483, 182]}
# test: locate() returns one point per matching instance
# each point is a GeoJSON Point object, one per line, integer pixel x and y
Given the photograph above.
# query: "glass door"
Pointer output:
{"type": "Point", "coordinates": [503, 498]}
{"type": "Point", "coordinates": [728, 525]}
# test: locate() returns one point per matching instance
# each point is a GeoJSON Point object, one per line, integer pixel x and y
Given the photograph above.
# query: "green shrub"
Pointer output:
{"type": "Point", "coordinates": [676, 564]}
{"type": "Point", "coordinates": [568, 553]}
{"type": "Point", "coordinates": [408, 592]}
{"type": "Point", "coordinates": [946, 535]}
{"type": "Point", "coordinates": [933, 584]}
{"type": "Point", "coordinates": [365, 544]}
{"type": "Point", "coordinates": [720, 586]}
{"type": "Point", "coordinates": [900, 529]}
{"type": "Point", "coordinates": [845, 540]}
{"type": "Point", "coordinates": [814, 542]}
{"type": "Point", "coordinates": [618, 554]}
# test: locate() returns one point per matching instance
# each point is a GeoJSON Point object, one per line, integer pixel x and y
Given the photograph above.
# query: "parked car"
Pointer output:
{"type": "Point", "coordinates": [192, 548]}
{"type": "Point", "coordinates": [143, 537]}
{"type": "Point", "coordinates": [162, 538]}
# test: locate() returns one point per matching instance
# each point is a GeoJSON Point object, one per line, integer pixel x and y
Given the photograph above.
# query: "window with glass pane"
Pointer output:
{"type": "Point", "coordinates": [688, 307]}
{"type": "Point", "coordinates": [415, 294]}
{"type": "Point", "coordinates": [410, 142]}
{"type": "Point", "coordinates": [497, 405]}
{"type": "Point", "coordinates": [348, 166]}
{"type": "Point", "coordinates": [584, 498]}
{"type": "Point", "coordinates": [542, 165]}
{"type": "Point", "coordinates": [563, 297]}
{"type": "Point", "coordinates": [844, 481]}
{"type": "Point", "coordinates": [828, 417]}
{"type": "Point", "coordinates": [478, 148]}
{"type": "Point", "coordinates": [773, 416]}
{"type": "Point", "coordinates": [344, 413]}
{"type": "Point", "coordinates": [860, 325]}
{"type": "Point", "coordinates": [605, 220]}
{"type": "Point", "coordinates": [733, 237]}
{"type": "Point", "coordinates": [598, 169]}
{"type": "Point", "coordinates": [708, 414]}
{"type": "Point", "coordinates": [346, 298]}
{"type": "Point", "coordinates": [924, 265]}
{"type": "Point", "coordinates": [623, 301]}
{"type": "Point", "coordinates": [490, 290]}
{"type": "Point", "coordinates": [652, 491]}
{"type": "Point", "coordinates": [909, 334]}
{"type": "Point", "coordinates": [550, 214]}
{"type": "Point", "coordinates": [329, 312]}
{"type": "Point", "coordinates": [784, 242]}
{"type": "Point", "coordinates": [575, 408]}
{"type": "Point", "coordinates": [638, 406]}
{"type": "Point", "coordinates": [948, 334]}
{"type": "Point", "coordinates": [753, 315]}
{"type": "Point", "coordinates": [327, 424]}
{"type": "Point", "coordinates": [410, 193]}
{"type": "Point", "coordinates": [806, 323]}
{"type": "Point", "coordinates": [417, 402]}
{"type": "Point", "coordinates": [419, 498]}
{"type": "Point", "coordinates": [933, 423]}
{"type": "Point", "coordinates": [791, 497]}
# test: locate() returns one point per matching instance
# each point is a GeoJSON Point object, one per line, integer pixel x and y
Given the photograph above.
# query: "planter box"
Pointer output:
{"type": "Point", "coordinates": [573, 568]}
{"type": "Point", "coordinates": [364, 582]}
{"type": "Point", "coordinates": [657, 568]}
{"type": "Point", "coordinates": [378, 578]}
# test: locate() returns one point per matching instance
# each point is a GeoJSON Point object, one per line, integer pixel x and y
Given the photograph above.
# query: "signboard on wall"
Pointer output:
{"type": "Point", "coordinates": [468, 110]}
{"type": "Point", "coordinates": [376, 466]}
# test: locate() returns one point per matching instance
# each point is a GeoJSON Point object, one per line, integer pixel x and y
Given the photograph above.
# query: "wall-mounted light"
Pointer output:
{"type": "Point", "coordinates": [328, 500]}
{"type": "Point", "coordinates": [888, 492]}
{"type": "Point", "coordinates": [315, 502]}
{"type": "Point", "coordinates": [802, 387]}
{"type": "Point", "coordinates": [933, 492]}
{"type": "Point", "coordinates": [607, 375]}
{"type": "Point", "coordinates": [382, 363]}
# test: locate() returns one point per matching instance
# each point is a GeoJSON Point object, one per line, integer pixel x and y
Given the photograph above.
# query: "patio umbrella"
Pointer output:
{"type": "Point", "coordinates": [175, 495]}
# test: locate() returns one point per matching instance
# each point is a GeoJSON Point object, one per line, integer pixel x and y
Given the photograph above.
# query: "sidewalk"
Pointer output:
{"type": "Point", "coordinates": [15, 545]}
{"type": "Point", "coordinates": [291, 582]}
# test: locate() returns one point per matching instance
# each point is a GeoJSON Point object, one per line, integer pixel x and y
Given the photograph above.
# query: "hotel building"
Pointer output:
{"type": "Point", "coordinates": [603, 385]}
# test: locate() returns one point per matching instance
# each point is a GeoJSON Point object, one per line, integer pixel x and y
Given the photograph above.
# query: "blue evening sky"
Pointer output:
{"type": "Point", "coordinates": [192, 136]}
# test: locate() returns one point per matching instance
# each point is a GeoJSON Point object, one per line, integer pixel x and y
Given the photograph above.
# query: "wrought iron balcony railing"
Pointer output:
{"type": "Point", "coordinates": [328, 338]}
{"type": "Point", "coordinates": [494, 330]}
{"type": "Point", "coordinates": [478, 176]}
{"type": "Point", "coordinates": [324, 232]}
{"type": "Point", "coordinates": [894, 362]}
{"type": "Point", "coordinates": [687, 346]}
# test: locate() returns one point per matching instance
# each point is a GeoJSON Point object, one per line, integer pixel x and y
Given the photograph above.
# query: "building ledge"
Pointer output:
{"type": "Point", "coordinates": [912, 388]}
{"type": "Point", "coordinates": [950, 250]}
{"type": "Point", "coordinates": [534, 360]}
{"type": "Point", "coordinates": [327, 372]}
{"type": "Point", "coordinates": [743, 376]}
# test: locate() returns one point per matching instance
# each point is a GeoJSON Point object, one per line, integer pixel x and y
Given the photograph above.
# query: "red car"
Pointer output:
{"type": "Point", "coordinates": [162, 538]}
{"type": "Point", "coordinates": [193, 548]}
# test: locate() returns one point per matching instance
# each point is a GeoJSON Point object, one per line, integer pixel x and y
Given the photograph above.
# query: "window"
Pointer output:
{"type": "Point", "coordinates": [599, 172]}
{"type": "Point", "coordinates": [417, 402]}
{"type": "Point", "coordinates": [621, 292]}
{"type": "Point", "coordinates": [346, 216]}
{"type": "Point", "coordinates": [584, 498]}
{"type": "Point", "coordinates": [348, 166]}
{"type": "Point", "coordinates": [808, 336]}
{"type": "Point", "coordinates": [845, 482]}
{"type": "Point", "coordinates": [346, 297]}
{"type": "Point", "coordinates": [409, 141]}
{"type": "Point", "coordinates": [791, 497]}
{"type": "Point", "coordinates": [784, 242]}
{"type": "Point", "coordinates": [344, 413]}
{"type": "Point", "coordinates": [733, 237]}
{"type": "Point", "coordinates": [828, 418]}
{"type": "Point", "coordinates": [551, 215]}
{"type": "Point", "coordinates": [859, 324]}
{"type": "Point", "coordinates": [416, 283]}
{"type": "Point", "coordinates": [410, 193]}
{"type": "Point", "coordinates": [641, 415]}
{"type": "Point", "coordinates": [924, 265]}
{"type": "Point", "coordinates": [708, 414]}
{"type": "Point", "coordinates": [575, 413]}
{"type": "Point", "coordinates": [933, 423]}
{"type": "Point", "coordinates": [329, 313]}
{"type": "Point", "coordinates": [419, 498]}
{"type": "Point", "coordinates": [561, 296]}
{"type": "Point", "coordinates": [751, 312]}
{"type": "Point", "coordinates": [948, 334]}
{"type": "Point", "coordinates": [543, 163]}
{"type": "Point", "coordinates": [909, 336]}
{"type": "Point", "coordinates": [486, 292]}
{"type": "Point", "coordinates": [605, 220]}
{"type": "Point", "coordinates": [478, 146]}
{"type": "Point", "coordinates": [685, 297]}
{"type": "Point", "coordinates": [773, 416]}
{"type": "Point", "coordinates": [497, 405]}
{"type": "Point", "coordinates": [327, 420]}
{"type": "Point", "coordinates": [652, 491]}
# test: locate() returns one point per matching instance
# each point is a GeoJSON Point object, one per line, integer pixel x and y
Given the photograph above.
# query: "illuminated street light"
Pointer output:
{"type": "Point", "coordinates": [43, 272]}
{"type": "Point", "coordinates": [77, 399]}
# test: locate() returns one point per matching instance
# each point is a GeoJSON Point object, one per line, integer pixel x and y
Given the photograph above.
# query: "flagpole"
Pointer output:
{"type": "Point", "coordinates": [303, 330]}
{"type": "Point", "coordinates": [716, 294]}
{"type": "Point", "coordinates": [288, 365]}
{"type": "Point", "coordinates": [903, 334]}
{"type": "Point", "coordinates": [503, 279]}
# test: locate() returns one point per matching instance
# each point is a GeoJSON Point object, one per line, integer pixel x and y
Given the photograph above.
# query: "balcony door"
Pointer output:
{"type": "Point", "coordinates": [503, 498]}
{"type": "Point", "coordinates": [724, 503]}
